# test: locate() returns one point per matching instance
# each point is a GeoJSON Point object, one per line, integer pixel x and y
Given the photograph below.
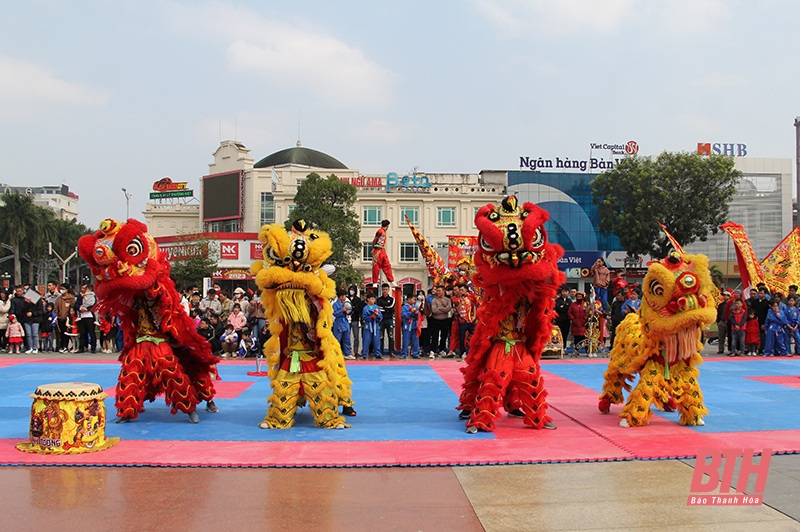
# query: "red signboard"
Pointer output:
{"type": "Point", "coordinates": [232, 274]}
{"type": "Point", "coordinates": [229, 250]}
{"type": "Point", "coordinates": [166, 184]}
{"type": "Point", "coordinates": [256, 250]}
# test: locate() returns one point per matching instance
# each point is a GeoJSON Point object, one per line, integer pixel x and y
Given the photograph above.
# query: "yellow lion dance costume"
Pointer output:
{"type": "Point", "coordinates": [305, 360]}
{"type": "Point", "coordinates": [661, 343]}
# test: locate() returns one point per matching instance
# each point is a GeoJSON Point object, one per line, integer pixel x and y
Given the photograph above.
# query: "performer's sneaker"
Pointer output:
{"type": "Point", "coordinates": [194, 417]}
{"type": "Point", "coordinates": [348, 411]}
{"type": "Point", "coordinates": [123, 420]}
{"type": "Point", "coordinates": [516, 413]}
{"type": "Point", "coordinates": [624, 423]}
{"type": "Point", "coordinates": [465, 414]}
{"type": "Point", "coordinates": [550, 426]}
{"type": "Point", "coordinates": [211, 406]}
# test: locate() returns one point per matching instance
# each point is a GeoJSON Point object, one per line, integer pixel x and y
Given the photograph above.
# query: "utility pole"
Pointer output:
{"type": "Point", "coordinates": [796, 222]}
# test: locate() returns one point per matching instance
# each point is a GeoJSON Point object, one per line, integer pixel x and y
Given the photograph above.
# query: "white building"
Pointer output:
{"type": "Point", "coordinates": [56, 198]}
{"type": "Point", "coordinates": [240, 195]}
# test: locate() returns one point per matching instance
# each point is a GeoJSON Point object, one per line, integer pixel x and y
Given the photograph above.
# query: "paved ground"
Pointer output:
{"type": "Point", "coordinates": [630, 495]}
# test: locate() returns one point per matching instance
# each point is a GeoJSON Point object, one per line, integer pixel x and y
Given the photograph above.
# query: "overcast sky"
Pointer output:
{"type": "Point", "coordinates": [104, 95]}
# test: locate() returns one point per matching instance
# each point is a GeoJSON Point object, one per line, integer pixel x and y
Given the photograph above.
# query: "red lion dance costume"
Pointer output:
{"type": "Point", "coordinates": [163, 353]}
{"type": "Point", "coordinates": [517, 268]}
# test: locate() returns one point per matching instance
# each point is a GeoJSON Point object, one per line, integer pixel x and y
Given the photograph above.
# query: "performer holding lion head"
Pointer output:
{"type": "Point", "coordinates": [305, 360]}
{"type": "Point", "coordinates": [517, 268]}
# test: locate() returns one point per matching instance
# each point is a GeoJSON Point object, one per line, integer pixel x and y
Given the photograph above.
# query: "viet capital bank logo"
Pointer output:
{"type": "Point", "coordinates": [716, 490]}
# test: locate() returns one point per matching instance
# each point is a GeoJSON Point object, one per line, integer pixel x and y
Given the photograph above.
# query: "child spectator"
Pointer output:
{"type": "Point", "coordinates": [105, 333]}
{"type": "Point", "coordinates": [196, 316]}
{"type": "Point", "coordinates": [247, 345]}
{"type": "Point", "coordinates": [411, 316]}
{"type": "Point", "coordinates": [72, 330]}
{"type": "Point", "coordinates": [371, 321]}
{"type": "Point", "coordinates": [237, 318]}
{"type": "Point", "coordinates": [341, 325]}
{"type": "Point", "coordinates": [738, 320]}
{"type": "Point", "coordinates": [47, 328]}
{"type": "Point", "coordinates": [752, 336]}
{"type": "Point", "coordinates": [773, 326]}
{"type": "Point", "coordinates": [230, 341]}
{"type": "Point", "coordinates": [793, 319]}
{"type": "Point", "coordinates": [15, 334]}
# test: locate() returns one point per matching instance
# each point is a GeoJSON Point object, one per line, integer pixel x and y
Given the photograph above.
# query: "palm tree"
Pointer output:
{"type": "Point", "coordinates": [18, 216]}
{"type": "Point", "coordinates": [41, 230]}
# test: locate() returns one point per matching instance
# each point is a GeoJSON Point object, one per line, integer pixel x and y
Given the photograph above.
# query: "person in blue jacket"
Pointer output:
{"type": "Point", "coordinates": [773, 327]}
{"type": "Point", "coordinates": [410, 315]}
{"type": "Point", "coordinates": [341, 323]}
{"type": "Point", "coordinates": [371, 318]}
{"type": "Point", "coordinates": [793, 320]}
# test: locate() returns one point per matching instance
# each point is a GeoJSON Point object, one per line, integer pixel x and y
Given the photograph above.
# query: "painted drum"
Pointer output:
{"type": "Point", "coordinates": [68, 418]}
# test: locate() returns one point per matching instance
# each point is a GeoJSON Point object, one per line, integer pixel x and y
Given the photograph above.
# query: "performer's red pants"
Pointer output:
{"type": "Point", "coordinates": [380, 261]}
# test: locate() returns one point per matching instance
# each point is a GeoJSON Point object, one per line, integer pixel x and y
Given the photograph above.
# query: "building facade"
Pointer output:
{"type": "Point", "coordinates": [58, 199]}
{"type": "Point", "coordinates": [239, 195]}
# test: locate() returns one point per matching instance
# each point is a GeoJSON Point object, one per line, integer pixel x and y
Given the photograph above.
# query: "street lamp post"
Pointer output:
{"type": "Point", "coordinates": [127, 202]}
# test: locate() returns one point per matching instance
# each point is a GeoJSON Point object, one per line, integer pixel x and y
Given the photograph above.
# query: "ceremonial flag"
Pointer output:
{"type": "Point", "coordinates": [433, 260]}
{"type": "Point", "coordinates": [459, 247]}
{"type": "Point", "coordinates": [749, 267]}
{"type": "Point", "coordinates": [672, 240]}
{"type": "Point", "coordinates": [781, 267]}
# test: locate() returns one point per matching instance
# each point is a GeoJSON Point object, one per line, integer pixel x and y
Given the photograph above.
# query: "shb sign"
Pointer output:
{"type": "Point", "coordinates": [716, 491]}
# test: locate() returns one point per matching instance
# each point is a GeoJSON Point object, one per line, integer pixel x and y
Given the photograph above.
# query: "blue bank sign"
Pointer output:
{"type": "Point", "coordinates": [415, 183]}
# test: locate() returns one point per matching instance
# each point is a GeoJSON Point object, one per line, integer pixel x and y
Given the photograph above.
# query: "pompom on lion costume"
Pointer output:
{"type": "Point", "coordinates": [661, 343]}
{"type": "Point", "coordinates": [163, 352]}
{"type": "Point", "coordinates": [305, 360]}
{"type": "Point", "coordinates": [517, 269]}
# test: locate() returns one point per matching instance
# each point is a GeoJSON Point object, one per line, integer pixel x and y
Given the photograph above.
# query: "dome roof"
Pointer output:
{"type": "Point", "coordinates": [302, 156]}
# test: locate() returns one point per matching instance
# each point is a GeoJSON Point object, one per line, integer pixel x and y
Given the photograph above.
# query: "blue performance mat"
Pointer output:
{"type": "Point", "coordinates": [394, 403]}
{"type": "Point", "coordinates": [735, 401]}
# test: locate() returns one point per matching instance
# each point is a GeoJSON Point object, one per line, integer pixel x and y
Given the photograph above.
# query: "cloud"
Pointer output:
{"type": "Point", "coordinates": [718, 81]}
{"type": "Point", "coordinates": [23, 82]}
{"type": "Point", "coordinates": [568, 17]}
{"type": "Point", "coordinates": [291, 55]}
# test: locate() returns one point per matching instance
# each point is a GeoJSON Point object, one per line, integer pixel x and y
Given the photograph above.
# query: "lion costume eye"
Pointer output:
{"type": "Point", "coordinates": [271, 255]}
{"type": "Point", "coordinates": [656, 288]}
{"type": "Point", "coordinates": [135, 247]}
{"type": "Point", "coordinates": [538, 238]}
{"type": "Point", "coordinates": [485, 245]}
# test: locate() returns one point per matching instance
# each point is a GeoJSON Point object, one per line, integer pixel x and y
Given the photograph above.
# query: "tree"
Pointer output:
{"type": "Point", "coordinates": [686, 192]}
{"type": "Point", "coordinates": [19, 221]}
{"type": "Point", "coordinates": [198, 260]}
{"type": "Point", "coordinates": [327, 204]}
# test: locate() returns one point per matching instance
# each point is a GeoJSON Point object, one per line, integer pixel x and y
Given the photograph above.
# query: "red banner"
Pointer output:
{"type": "Point", "coordinates": [749, 267]}
{"type": "Point", "coordinates": [232, 274]}
{"type": "Point", "coordinates": [460, 247]}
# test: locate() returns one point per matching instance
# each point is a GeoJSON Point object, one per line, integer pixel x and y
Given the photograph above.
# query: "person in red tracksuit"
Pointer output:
{"type": "Point", "coordinates": [380, 260]}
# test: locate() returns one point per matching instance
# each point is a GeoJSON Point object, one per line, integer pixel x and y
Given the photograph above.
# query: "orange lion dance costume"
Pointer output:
{"type": "Point", "coordinates": [163, 353]}
{"type": "Point", "coordinates": [517, 268]}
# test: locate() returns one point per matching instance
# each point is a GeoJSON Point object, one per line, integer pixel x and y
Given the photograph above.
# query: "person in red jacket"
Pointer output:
{"type": "Point", "coordinates": [752, 335]}
{"type": "Point", "coordinates": [578, 313]}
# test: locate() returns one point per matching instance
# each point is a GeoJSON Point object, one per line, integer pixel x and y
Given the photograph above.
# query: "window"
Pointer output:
{"type": "Point", "coordinates": [411, 212]}
{"type": "Point", "coordinates": [409, 252]}
{"type": "Point", "coordinates": [446, 216]}
{"type": "Point", "coordinates": [366, 251]}
{"type": "Point", "coordinates": [474, 214]}
{"type": "Point", "coordinates": [291, 209]}
{"type": "Point", "coordinates": [224, 226]}
{"type": "Point", "coordinates": [443, 248]}
{"type": "Point", "coordinates": [372, 216]}
{"type": "Point", "coordinates": [267, 208]}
